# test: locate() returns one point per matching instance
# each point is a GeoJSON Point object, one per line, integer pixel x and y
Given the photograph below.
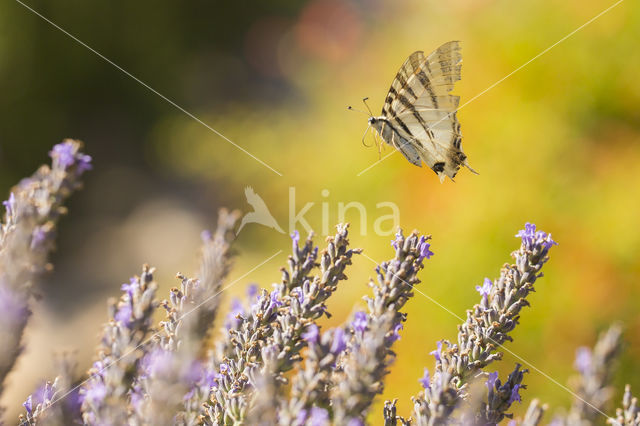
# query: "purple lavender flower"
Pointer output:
{"type": "Point", "coordinates": [359, 322]}
{"type": "Point", "coordinates": [398, 240]}
{"type": "Point", "coordinates": [231, 321]}
{"type": "Point", "coordinates": [98, 391]}
{"type": "Point", "coordinates": [485, 289]}
{"type": "Point", "coordinates": [301, 417]}
{"type": "Point", "coordinates": [395, 333]}
{"type": "Point", "coordinates": [137, 397]}
{"type": "Point", "coordinates": [275, 299]}
{"type": "Point", "coordinates": [10, 204]}
{"type": "Point", "coordinates": [436, 352]}
{"type": "Point", "coordinates": [64, 153]}
{"type": "Point", "coordinates": [515, 396]}
{"type": "Point", "coordinates": [299, 295]}
{"type": "Point", "coordinates": [311, 334]}
{"type": "Point", "coordinates": [131, 287]}
{"type": "Point", "coordinates": [38, 237]}
{"type": "Point", "coordinates": [424, 247]}
{"type": "Point", "coordinates": [28, 404]}
{"type": "Point", "coordinates": [295, 240]}
{"type": "Point", "coordinates": [491, 380]}
{"type": "Point", "coordinates": [159, 362]}
{"type": "Point", "coordinates": [206, 236]}
{"type": "Point", "coordinates": [583, 359]}
{"type": "Point", "coordinates": [10, 301]}
{"type": "Point", "coordinates": [339, 341]}
{"type": "Point", "coordinates": [252, 292]}
{"type": "Point", "coordinates": [83, 162]}
{"type": "Point", "coordinates": [425, 381]}
{"type": "Point", "coordinates": [532, 238]}
{"type": "Point", "coordinates": [318, 417]}
{"type": "Point", "coordinates": [528, 233]}
{"type": "Point", "coordinates": [123, 315]}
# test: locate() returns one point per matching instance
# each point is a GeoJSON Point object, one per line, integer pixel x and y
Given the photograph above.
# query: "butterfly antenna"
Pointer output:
{"type": "Point", "coordinates": [364, 100]}
{"type": "Point", "coordinates": [350, 108]}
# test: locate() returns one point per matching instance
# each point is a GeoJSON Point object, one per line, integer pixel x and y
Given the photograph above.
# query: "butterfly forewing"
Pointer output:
{"type": "Point", "coordinates": [401, 91]}
{"type": "Point", "coordinates": [421, 113]}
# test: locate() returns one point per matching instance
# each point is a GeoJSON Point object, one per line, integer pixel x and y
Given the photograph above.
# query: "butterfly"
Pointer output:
{"type": "Point", "coordinates": [419, 115]}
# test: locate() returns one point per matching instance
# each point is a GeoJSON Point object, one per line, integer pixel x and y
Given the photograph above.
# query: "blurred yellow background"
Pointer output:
{"type": "Point", "coordinates": [557, 144]}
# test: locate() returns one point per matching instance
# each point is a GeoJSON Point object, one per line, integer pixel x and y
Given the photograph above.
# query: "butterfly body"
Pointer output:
{"type": "Point", "coordinates": [419, 115]}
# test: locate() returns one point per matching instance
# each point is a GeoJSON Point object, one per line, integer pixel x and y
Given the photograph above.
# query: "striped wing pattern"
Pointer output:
{"type": "Point", "coordinates": [419, 114]}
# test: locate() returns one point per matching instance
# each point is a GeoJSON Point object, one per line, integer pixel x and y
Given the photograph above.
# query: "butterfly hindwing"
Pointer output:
{"type": "Point", "coordinates": [394, 138]}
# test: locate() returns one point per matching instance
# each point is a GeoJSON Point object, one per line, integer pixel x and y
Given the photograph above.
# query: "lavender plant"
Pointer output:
{"type": "Point", "coordinates": [629, 414]}
{"type": "Point", "coordinates": [275, 324]}
{"type": "Point", "coordinates": [273, 363]}
{"type": "Point", "coordinates": [592, 384]}
{"type": "Point", "coordinates": [109, 388]}
{"type": "Point", "coordinates": [27, 234]}
{"type": "Point", "coordinates": [171, 378]}
{"type": "Point", "coordinates": [360, 376]}
{"type": "Point", "coordinates": [487, 327]}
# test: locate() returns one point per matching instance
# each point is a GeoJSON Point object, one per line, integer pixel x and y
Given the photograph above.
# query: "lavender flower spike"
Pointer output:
{"type": "Point", "coordinates": [27, 233]}
{"type": "Point", "coordinates": [310, 386]}
{"type": "Point", "coordinates": [36, 405]}
{"type": "Point", "coordinates": [54, 403]}
{"type": "Point", "coordinates": [390, 416]}
{"type": "Point", "coordinates": [276, 323]}
{"type": "Point", "coordinates": [171, 376]}
{"type": "Point", "coordinates": [629, 414]}
{"type": "Point", "coordinates": [500, 397]}
{"type": "Point", "coordinates": [105, 392]}
{"type": "Point", "coordinates": [369, 354]}
{"type": "Point", "coordinates": [595, 375]}
{"type": "Point", "coordinates": [534, 413]}
{"type": "Point", "coordinates": [487, 326]}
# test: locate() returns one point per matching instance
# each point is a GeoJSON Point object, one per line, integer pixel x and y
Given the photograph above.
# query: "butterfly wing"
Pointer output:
{"type": "Point", "coordinates": [401, 142]}
{"type": "Point", "coordinates": [420, 107]}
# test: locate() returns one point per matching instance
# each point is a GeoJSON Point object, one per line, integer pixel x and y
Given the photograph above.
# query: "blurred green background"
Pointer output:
{"type": "Point", "coordinates": [557, 144]}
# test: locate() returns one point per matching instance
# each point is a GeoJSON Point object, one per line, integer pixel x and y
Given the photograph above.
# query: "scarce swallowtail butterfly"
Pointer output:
{"type": "Point", "coordinates": [419, 115]}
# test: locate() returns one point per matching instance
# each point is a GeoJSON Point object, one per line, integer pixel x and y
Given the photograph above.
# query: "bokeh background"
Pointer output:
{"type": "Point", "coordinates": [557, 143]}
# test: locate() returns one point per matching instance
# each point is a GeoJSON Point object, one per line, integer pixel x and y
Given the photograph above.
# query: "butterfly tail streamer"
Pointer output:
{"type": "Point", "coordinates": [466, 164]}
